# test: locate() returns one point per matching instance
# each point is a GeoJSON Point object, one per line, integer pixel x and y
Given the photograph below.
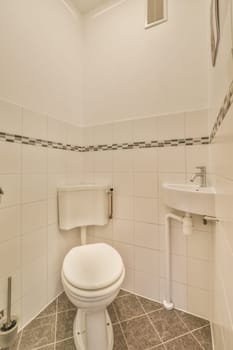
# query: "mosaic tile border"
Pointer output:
{"type": "Point", "coordinates": [150, 144]}
{"type": "Point", "coordinates": [112, 147]}
{"type": "Point", "coordinates": [228, 101]}
{"type": "Point", "coordinates": [38, 142]}
{"type": "Point", "coordinates": [205, 140]}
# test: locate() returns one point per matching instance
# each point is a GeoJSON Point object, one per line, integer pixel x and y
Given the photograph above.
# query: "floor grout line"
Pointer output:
{"type": "Point", "coordinates": [120, 325]}
{"type": "Point", "coordinates": [189, 328]}
{"type": "Point", "coordinates": [43, 346]}
{"type": "Point", "coordinates": [198, 340]}
{"type": "Point", "coordinates": [151, 323]}
{"type": "Point", "coordinates": [62, 340]}
{"type": "Point", "coordinates": [180, 318]}
{"type": "Point", "coordinates": [132, 318]}
{"type": "Point", "coordinates": [20, 338]}
{"type": "Point", "coordinates": [178, 337]}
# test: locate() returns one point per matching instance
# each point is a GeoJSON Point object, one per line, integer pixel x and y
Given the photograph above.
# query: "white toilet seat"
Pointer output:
{"type": "Point", "coordinates": [92, 267]}
{"type": "Point", "coordinates": [92, 296]}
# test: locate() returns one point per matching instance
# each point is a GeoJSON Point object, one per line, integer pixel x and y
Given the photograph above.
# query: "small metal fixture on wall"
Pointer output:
{"type": "Point", "coordinates": [156, 12]}
{"type": "Point", "coordinates": [214, 29]}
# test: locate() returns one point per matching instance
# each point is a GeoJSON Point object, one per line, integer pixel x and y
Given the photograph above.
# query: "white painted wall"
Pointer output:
{"type": "Point", "coordinates": [222, 169]}
{"type": "Point", "coordinates": [41, 57]}
{"type": "Point", "coordinates": [132, 72]}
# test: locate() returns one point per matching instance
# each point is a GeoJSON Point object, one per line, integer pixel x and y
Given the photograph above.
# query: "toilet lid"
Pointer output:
{"type": "Point", "coordinates": [93, 266]}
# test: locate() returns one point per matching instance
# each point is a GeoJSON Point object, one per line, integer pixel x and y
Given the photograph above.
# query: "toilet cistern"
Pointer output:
{"type": "Point", "coordinates": [201, 174]}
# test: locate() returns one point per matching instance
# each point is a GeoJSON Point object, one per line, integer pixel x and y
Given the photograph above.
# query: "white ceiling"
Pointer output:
{"type": "Point", "coordinates": [87, 5]}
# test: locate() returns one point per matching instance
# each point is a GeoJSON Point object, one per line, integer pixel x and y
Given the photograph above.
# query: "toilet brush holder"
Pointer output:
{"type": "Point", "coordinates": [8, 334]}
{"type": "Point", "coordinates": [8, 327]}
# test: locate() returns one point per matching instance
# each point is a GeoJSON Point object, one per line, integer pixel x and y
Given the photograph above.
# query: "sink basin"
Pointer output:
{"type": "Point", "coordinates": [190, 198]}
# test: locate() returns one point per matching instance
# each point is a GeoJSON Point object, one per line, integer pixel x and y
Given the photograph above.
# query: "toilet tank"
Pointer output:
{"type": "Point", "coordinates": [83, 205]}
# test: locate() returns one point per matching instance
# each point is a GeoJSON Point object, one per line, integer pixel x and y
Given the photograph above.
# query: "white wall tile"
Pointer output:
{"type": "Point", "coordinates": [199, 302]}
{"type": "Point", "coordinates": [102, 134]}
{"type": "Point", "coordinates": [196, 123]}
{"type": "Point", "coordinates": [34, 216]}
{"type": "Point", "coordinates": [179, 295]}
{"type": "Point", "coordinates": [34, 125]}
{"type": "Point", "coordinates": [123, 184]}
{"type": "Point", "coordinates": [123, 207]}
{"type": "Point", "coordinates": [105, 178]}
{"type": "Point", "coordinates": [179, 269]}
{"type": "Point", "coordinates": [34, 275]}
{"type": "Point", "coordinates": [147, 260]}
{"type": "Point", "coordinates": [171, 127]}
{"type": "Point", "coordinates": [123, 161]}
{"type": "Point", "coordinates": [57, 161]}
{"type": "Point", "coordinates": [199, 273]}
{"type": "Point", "coordinates": [34, 188]}
{"type": "Point", "coordinates": [88, 162]}
{"type": "Point", "coordinates": [54, 182]}
{"type": "Point", "coordinates": [123, 231]}
{"type": "Point", "coordinates": [87, 135]}
{"type": "Point", "coordinates": [9, 223]}
{"type": "Point", "coordinates": [146, 209]}
{"type": "Point", "coordinates": [178, 241]}
{"type": "Point", "coordinates": [200, 245]}
{"type": "Point", "coordinates": [105, 232]}
{"type": "Point", "coordinates": [52, 211]}
{"type": "Point", "coordinates": [123, 132]}
{"type": "Point", "coordinates": [10, 118]}
{"type": "Point", "coordinates": [145, 129]}
{"type": "Point", "coordinates": [57, 130]}
{"type": "Point", "coordinates": [54, 285]}
{"type": "Point", "coordinates": [146, 185]}
{"type": "Point", "coordinates": [34, 246]}
{"type": "Point", "coordinates": [74, 135]}
{"type": "Point", "coordinates": [10, 155]}
{"type": "Point", "coordinates": [74, 178]}
{"type": "Point", "coordinates": [145, 160]}
{"type": "Point", "coordinates": [11, 185]}
{"type": "Point", "coordinates": [146, 235]}
{"type": "Point", "coordinates": [171, 159]}
{"type": "Point", "coordinates": [147, 285]}
{"type": "Point", "coordinates": [34, 160]}
{"type": "Point", "coordinates": [10, 256]}
{"type": "Point", "coordinates": [103, 161]}
{"type": "Point", "coordinates": [74, 162]}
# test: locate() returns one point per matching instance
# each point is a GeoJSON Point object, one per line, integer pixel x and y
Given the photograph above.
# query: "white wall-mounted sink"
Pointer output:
{"type": "Point", "coordinates": [190, 198]}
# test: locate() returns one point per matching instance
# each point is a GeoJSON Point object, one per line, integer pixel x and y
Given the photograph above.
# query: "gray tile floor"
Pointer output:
{"type": "Point", "coordinates": [139, 324]}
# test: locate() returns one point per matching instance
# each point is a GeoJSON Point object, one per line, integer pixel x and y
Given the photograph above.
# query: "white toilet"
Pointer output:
{"type": "Point", "coordinates": [92, 274]}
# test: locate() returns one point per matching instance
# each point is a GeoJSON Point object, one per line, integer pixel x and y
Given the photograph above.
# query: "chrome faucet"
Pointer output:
{"type": "Point", "coordinates": [201, 174]}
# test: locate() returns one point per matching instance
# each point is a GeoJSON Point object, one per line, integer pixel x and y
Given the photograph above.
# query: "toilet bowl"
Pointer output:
{"type": "Point", "coordinates": [92, 276]}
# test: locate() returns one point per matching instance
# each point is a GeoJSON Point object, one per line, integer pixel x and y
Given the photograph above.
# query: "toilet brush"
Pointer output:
{"type": "Point", "coordinates": [8, 330]}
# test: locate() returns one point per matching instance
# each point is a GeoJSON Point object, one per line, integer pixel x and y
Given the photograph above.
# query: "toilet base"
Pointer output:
{"type": "Point", "coordinates": [100, 331]}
